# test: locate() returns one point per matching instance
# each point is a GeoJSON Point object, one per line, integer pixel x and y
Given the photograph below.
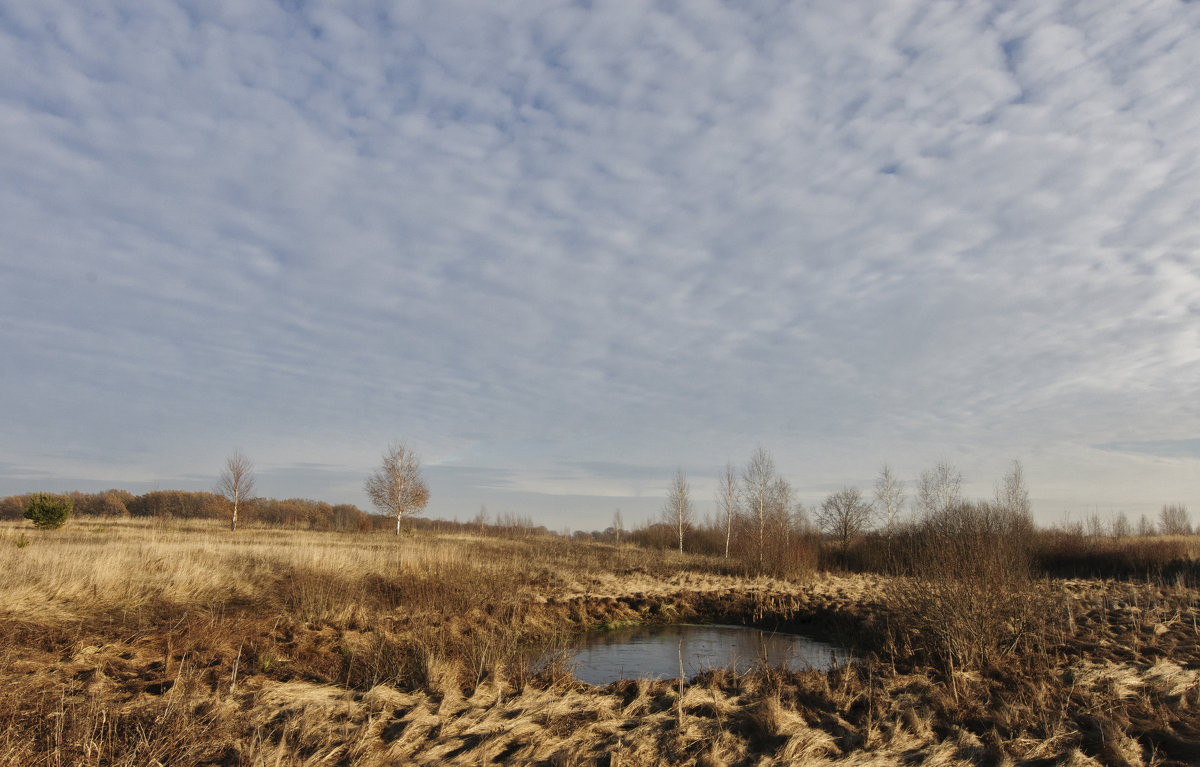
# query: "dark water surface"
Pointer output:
{"type": "Point", "coordinates": [654, 652]}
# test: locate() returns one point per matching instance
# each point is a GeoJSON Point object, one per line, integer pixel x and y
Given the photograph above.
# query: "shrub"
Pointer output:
{"type": "Point", "coordinates": [48, 512]}
{"type": "Point", "coordinates": [971, 598]}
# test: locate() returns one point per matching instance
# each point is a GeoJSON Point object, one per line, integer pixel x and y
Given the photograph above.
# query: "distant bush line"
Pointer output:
{"type": "Point", "coordinates": [295, 513]}
{"type": "Point", "coordinates": [795, 550]}
{"type": "Point", "coordinates": [180, 504]}
{"type": "Point", "coordinates": [1050, 552]}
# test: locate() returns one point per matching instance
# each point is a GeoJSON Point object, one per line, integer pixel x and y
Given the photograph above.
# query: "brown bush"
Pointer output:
{"type": "Point", "coordinates": [971, 598]}
{"type": "Point", "coordinates": [1071, 554]}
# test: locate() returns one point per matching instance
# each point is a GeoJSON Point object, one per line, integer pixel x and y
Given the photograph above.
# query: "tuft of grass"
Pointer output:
{"type": "Point", "coordinates": [618, 625]}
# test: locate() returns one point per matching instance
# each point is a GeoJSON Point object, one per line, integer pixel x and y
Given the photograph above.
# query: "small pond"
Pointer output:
{"type": "Point", "coordinates": [654, 652]}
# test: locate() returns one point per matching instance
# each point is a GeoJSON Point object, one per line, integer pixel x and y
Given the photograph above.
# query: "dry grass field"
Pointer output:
{"type": "Point", "coordinates": [143, 643]}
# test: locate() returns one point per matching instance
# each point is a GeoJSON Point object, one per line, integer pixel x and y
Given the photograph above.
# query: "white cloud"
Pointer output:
{"type": "Point", "coordinates": [522, 237]}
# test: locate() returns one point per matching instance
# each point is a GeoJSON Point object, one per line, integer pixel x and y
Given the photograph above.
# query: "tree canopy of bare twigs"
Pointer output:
{"type": "Point", "coordinates": [889, 498]}
{"type": "Point", "coordinates": [757, 480]}
{"type": "Point", "coordinates": [727, 501]}
{"type": "Point", "coordinates": [782, 505]}
{"type": "Point", "coordinates": [939, 489]}
{"type": "Point", "coordinates": [1174, 520]}
{"type": "Point", "coordinates": [397, 488]}
{"type": "Point", "coordinates": [972, 599]}
{"type": "Point", "coordinates": [843, 515]}
{"type": "Point", "coordinates": [1120, 527]}
{"type": "Point", "coordinates": [236, 483]}
{"type": "Point", "coordinates": [677, 510]}
{"type": "Point", "coordinates": [1145, 527]}
{"type": "Point", "coordinates": [1011, 493]}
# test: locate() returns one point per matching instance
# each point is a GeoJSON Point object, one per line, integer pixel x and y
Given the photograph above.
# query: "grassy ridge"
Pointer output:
{"type": "Point", "coordinates": [135, 642]}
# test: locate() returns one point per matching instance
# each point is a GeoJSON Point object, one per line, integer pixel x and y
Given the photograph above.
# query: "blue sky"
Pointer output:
{"type": "Point", "coordinates": [562, 249]}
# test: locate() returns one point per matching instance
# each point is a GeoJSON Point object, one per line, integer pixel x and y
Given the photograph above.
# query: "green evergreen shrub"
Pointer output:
{"type": "Point", "coordinates": [48, 512]}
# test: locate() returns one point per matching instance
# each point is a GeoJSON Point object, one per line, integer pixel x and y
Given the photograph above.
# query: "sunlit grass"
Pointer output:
{"type": "Point", "coordinates": [130, 642]}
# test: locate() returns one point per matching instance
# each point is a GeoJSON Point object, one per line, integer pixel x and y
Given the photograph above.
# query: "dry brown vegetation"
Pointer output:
{"type": "Point", "coordinates": [137, 642]}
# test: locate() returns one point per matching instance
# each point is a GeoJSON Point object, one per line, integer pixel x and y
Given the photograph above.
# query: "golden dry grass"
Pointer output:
{"type": "Point", "coordinates": [136, 643]}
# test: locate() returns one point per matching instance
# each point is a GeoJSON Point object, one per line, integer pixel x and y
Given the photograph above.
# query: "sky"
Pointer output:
{"type": "Point", "coordinates": [561, 250]}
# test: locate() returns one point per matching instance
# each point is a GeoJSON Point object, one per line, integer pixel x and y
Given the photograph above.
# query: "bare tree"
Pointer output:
{"type": "Point", "coordinates": [889, 498]}
{"type": "Point", "coordinates": [1120, 526]}
{"type": "Point", "coordinates": [756, 486]}
{"type": "Point", "coordinates": [727, 501]}
{"type": "Point", "coordinates": [481, 519]}
{"type": "Point", "coordinates": [677, 511]}
{"type": "Point", "coordinates": [1145, 528]}
{"type": "Point", "coordinates": [1174, 520]}
{"type": "Point", "coordinates": [780, 513]}
{"type": "Point", "coordinates": [1011, 493]}
{"type": "Point", "coordinates": [798, 518]}
{"type": "Point", "coordinates": [396, 488]}
{"type": "Point", "coordinates": [618, 525]}
{"type": "Point", "coordinates": [939, 489]}
{"type": "Point", "coordinates": [236, 483]}
{"type": "Point", "coordinates": [844, 515]}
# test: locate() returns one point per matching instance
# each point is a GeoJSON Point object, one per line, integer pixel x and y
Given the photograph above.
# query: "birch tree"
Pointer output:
{"type": "Point", "coordinates": [397, 488]}
{"type": "Point", "coordinates": [727, 501]}
{"type": "Point", "coordinates": [1174, 520]}
{"type": "Point", "coordinates": [1120, 526]}
{"type": "Point", "coordinates": [757, 480]}
{"type": "Point", "coordinates": [939, 489]}
{"type": "Point", "coordinates": [236, 483]}
{"type": "Point", "coordinates": [889, 498]}
{"type": "Point", "coordinates": [1011, 493]}
{"type": "Point", "coordinates": [1145, 528]}
{"type": "Point", "coordinates": [677, 510]}
{"type": "Point", "coordinates": [780, 513]}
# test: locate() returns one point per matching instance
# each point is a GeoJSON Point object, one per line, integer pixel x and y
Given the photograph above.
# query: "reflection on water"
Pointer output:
{"type": "Point", "coordinates": [654, 652]}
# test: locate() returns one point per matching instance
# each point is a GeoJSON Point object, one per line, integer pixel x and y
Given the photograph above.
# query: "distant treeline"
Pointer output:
{"type": "Point", "coordinates": [300, 513]}
{"type": "Point", "coordinates": [792, 545]}
{"type": "Point", "coordinates": [181, 504]}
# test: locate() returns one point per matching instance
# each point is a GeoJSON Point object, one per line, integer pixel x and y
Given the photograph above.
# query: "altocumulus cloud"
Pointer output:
{"type": "Point", "coordinates": [552, 245]}
{"type": "Point", "coordinates": [1166, 448]}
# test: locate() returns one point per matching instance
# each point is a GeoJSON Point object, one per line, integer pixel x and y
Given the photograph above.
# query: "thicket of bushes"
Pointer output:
{"type": "Point", "coordinates": [791, 551]}
{"type": "Point", "coordinates": [966, 594]}
{"type": "Point", "coordinates": [1071, 554]}
{"type": "Point", "coordinates": [1054, 552]}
